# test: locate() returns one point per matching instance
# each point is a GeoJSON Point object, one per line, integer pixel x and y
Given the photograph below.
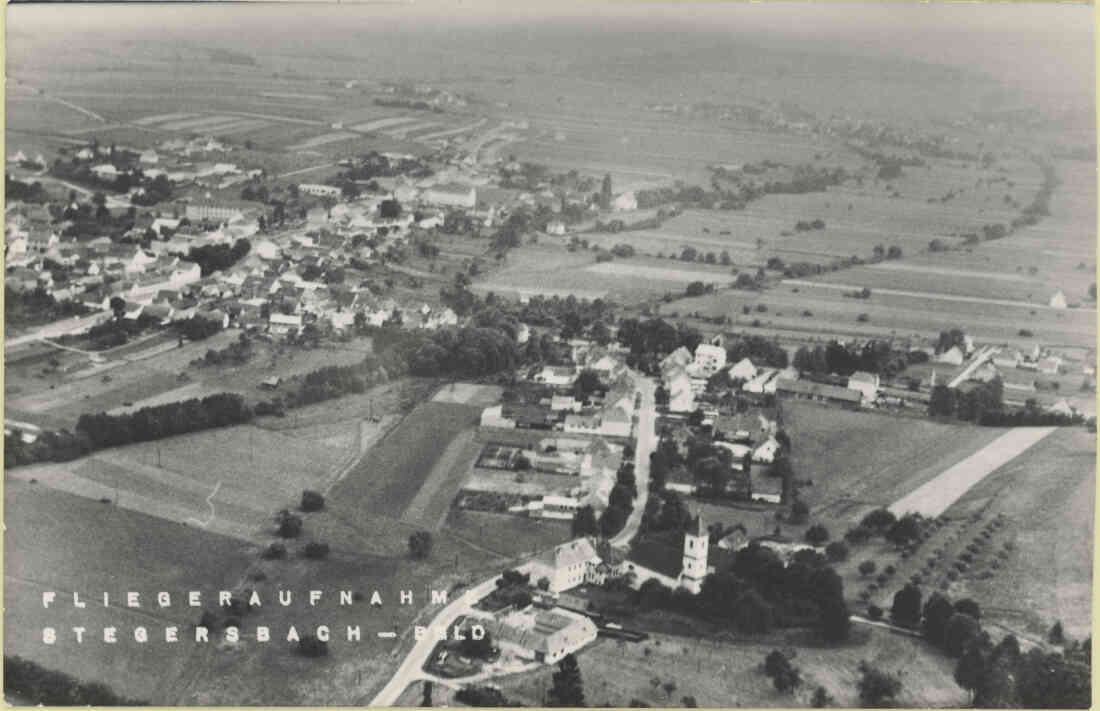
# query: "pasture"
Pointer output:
{"type": "Point", "coordinates": [47, 546]}
{"type": "Point", "coordinates": [860, 460]}
{"type": "Point", "coordinates": [1046, 496]}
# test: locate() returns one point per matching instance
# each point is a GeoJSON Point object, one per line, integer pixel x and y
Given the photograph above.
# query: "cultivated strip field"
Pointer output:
{"type": "Point", "coordinates": [936, 496]}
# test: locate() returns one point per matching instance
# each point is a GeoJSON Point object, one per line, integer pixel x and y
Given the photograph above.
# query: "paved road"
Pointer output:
{"type": "Point", "coordinates": [646, 444]}
{"type": "Point", "coordinates": [412, 668]}
{"type": "Point", "coordinates": [937, 495]}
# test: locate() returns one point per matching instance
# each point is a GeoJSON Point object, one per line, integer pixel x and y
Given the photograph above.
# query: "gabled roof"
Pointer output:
{"type": "Point", "coordinates": [657, 556]}
{"type": "Point", "coordinates": [568, 554]}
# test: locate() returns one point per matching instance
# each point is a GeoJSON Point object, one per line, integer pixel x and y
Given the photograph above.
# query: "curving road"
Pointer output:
{"type": "Point", "coordinates": [412, 667]}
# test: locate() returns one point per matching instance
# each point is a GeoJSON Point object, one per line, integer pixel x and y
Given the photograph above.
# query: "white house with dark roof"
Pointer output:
{"type": "Point", "coordinates": [565, 566]}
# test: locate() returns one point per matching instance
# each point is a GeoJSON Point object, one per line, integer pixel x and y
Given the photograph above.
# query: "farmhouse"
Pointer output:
{"type": "Point", "coordinates": [451, 195]}
{"type": "Point", "coordinates": [742, 370]}
{"type": "Point", "coordinates": [765, 453]}
{"type": "Point", "coordinates": [544, 636]}
{"type": "Point", "coordinates": [494, 417]}
{"type": "Point", "coordinates": [764, 379]}
{"type": "Point", "coordinates": [952, 356]}
{"type": "Point", "coordinates": [281, 324]}
{"type": "Point", "coordinates": [317, 190]}
{"type": "Point", "coordinates": [866, 383]}
{"type": "Point", "coordinates": [556, 375]}
{"type": "Point", "coordinates": [681, 397]}
{"type": "Point", "coordinates": [820, 392]}
{"type": "Point", "coordinates": [625, 202]}
{"type": "Point", "coordinates": [1058, 300]}
{"type": "Point", "coordinates": [216, 213]}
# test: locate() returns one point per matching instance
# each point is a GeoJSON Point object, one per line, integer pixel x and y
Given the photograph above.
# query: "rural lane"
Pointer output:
{"type": "Point", "coordinates": [412, 667]}
{"type": "Point", "coordinates": [936, 496]}
{"type": "Point", "coordinates": [927, 295]}
{"type": "Point", "coordinates": [57, 328]}
{"type": "Point", "coordinates": [645, 445]}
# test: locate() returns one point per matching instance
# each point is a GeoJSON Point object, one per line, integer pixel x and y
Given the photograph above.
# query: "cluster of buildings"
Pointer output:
{"type": "Point", "coordinates": [608, 413]}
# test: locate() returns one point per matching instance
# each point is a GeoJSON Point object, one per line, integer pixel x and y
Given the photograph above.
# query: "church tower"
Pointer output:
{"type": "Point", "coordinates": [694, 566]}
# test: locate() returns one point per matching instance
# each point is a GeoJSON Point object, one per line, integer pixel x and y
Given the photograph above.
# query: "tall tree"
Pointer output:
{"type": "Point", "coordinates": [568, 688]}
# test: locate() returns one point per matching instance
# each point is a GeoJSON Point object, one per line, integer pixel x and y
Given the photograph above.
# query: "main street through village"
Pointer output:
{"type": "Point", "coordinates": [412, 666]}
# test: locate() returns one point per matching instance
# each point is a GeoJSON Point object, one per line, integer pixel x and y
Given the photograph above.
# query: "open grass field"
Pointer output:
{"type": "Point", "coordinates": [731, 674]}
{"type": "Point", "coordinates": [389, 477]}
{"type": "Point", "coordinates": [1047, 496]}
{"type": "Point", "coordinates": [818, 312]}
{"type": "Point", "coordinates": [48, 547]}
{"type": "Point", "coordinates": [229, 480]}
{"type": "Point", "coordinates": [506, 535]}
{"type": "Point", "coordinates": [134, 380]}
{"type": "Point", "coordinates": [859, 461]}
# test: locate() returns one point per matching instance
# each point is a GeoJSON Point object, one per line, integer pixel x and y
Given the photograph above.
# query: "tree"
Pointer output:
{"type": "Point", "coordinates": [817, 534]}
{"type": "Point", "coordinates": [605, 192]}
{"type": "Point", "coordinates": [290, 526]}
{"type": "Point", "coordinates": [316, 551]}
{"type": "Point", "coordinates": [906, 610]}
{"type": "Point", "coordinates": [784, 675]}
{"type": "Point", "coordinates": [879, 520]}
{"type": "Point", "coordinates": [969, 607]}
{"type": "Point", "coordinates": [420, 545]}
{"type": "Point", "coordinates": [821, 698]}
{"type": "Point", "coordinates": [837, 551]}
{"type": "Point", "coordinates": [586, 383]}
{"type": "Point", "coordinates": [389, 209]}
{"type": "Point", "coordinates": [937, 611]}
{"type": "Point", "coordinates": [584, 522]}
{"type": "Point", "coordinates": [1056, 635]}
{"type": "Point", "coordinates": [568, 688]}
{"type": "Point", "coordinates": [426, 699]}
{"type": "Point", "coordinates": [960, 631]}
{"type": "Point", "coordinates": [877, 689]}
{"type": "Point", "coordinates": [669, 687]}
{"type": "Point", "coordinates": [752, 614]}
{"type": "Point", "coordinates": [834, 620]}
{"type": "Point", "coordinates": [867, 567]}
{"type": "Point", "coordinates": [906, 530]}
{"type": "Point", "coordinates": [118, 307]}
{"type": "Point", "coordinates": [973, 666]}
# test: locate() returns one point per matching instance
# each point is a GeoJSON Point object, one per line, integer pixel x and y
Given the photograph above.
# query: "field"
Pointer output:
{"type": "Point", "coordinates": [48, 547]}
{"type": "Point", "coordinates": [858, 461]}
{"type": "Point", "coordinates": [386, 481]}
{"type": "Point", "coordinates": [134, 379]}
{"type": "Point", "coordinates": [1047, 498]}
{"type": "Point", "coordinates": [727, 675]}
{"type": "Point", "coordinates": [229, 480]}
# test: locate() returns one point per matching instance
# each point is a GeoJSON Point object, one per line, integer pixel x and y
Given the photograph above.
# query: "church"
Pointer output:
{"type": "Point", "coordinates": [673, 567]}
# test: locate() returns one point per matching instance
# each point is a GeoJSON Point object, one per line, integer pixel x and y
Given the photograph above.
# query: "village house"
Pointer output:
{"type": "Point", "coordinates": [543, 636]}
{"type": "Point", "coordinates": [952, 356]}
{"type": "Point", "coordinates": [1058, 300]}
{"type": "Point", "coordinates": [708, 360]}
{"type": "Point", "coordinates": [866, 383]}
{"type": "Point", "coordinates": [566, 565]}
{"type": "Point", "coordinates": [742, 370]}
{"type": "Point", "coordinates": [681, 396]}
{"type": "Point", "coordinates": [451, 195]}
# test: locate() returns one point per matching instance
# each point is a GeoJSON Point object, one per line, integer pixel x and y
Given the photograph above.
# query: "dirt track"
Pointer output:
{"type": "Point", "coordinates": [937, 495]}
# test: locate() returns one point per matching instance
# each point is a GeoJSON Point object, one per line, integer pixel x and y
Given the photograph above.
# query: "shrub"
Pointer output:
{"type": "Point", "coordinates": [276, 551]}
{"type": "Point", "coordinates": [874, 612]}
{"type": "Point", "coordinates": [952, 575]}
{"type": "Point", "coordinates": [310, 646]}
{"type": "Point", "coordinates": [316, 551]}
{"type": "Point", "coordinates": [882, 578]}
{"type": "Point", "coordinates": [966, 558]}
{"type": "Point", "coordinates": [312, 501]}
{"type": "Point", "coordinates": [817, 534]}
{"type": "Point", "coordinates": [290, 525]}
{"type": "Point", "coordinates": [863, 318]}
{"type": "Point", "coordinates": [867, 567]}
{"type": "Point", "coordinates": [420, 545]}
{"type": "Point", "coordinates": [890, 570]}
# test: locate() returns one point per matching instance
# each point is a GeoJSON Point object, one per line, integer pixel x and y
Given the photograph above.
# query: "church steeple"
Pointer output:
{"type": "Point", "coordinates": [696, 544]}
